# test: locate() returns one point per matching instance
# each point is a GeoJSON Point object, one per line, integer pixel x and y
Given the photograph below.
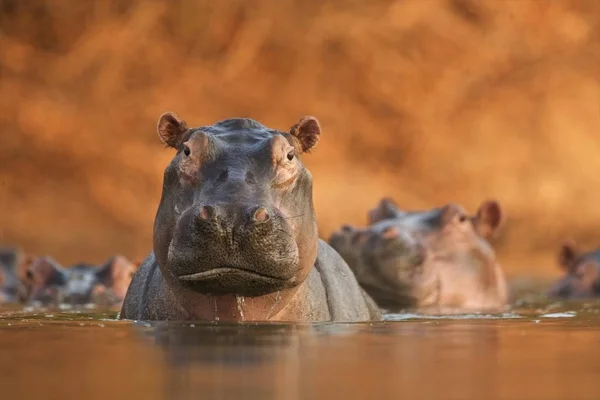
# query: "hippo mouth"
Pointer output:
{"type": "Point", "coordinates": [223, 271]}
{"type": "Point", "coordinates": [233, 280]}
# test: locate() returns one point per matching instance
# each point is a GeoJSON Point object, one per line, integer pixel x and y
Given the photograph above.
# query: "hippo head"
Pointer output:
{"type": "Point", "coordinates": [11, 288]}
{"type": "Point", "coordinates": [582, 273]}
{"type": "Point", "coordinates": [403, 252]}
{"type": "Point", "coordinates": [236, 215]}
{"type": "Point", "coordinates": [381, 258]}
{"type": "Point", "coordinates": [81, 283]}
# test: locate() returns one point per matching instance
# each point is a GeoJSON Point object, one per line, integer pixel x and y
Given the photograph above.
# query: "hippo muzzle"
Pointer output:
{"type": "Point", "coordinates": [222, 249]}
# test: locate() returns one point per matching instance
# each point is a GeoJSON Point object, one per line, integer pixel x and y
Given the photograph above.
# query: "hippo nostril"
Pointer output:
{"type": "Point", "coordinates": [390, 233]}
{"type": "Point", "coordinates": [260, 215]}
{"type": "Point", "coordinates": [207, 213]}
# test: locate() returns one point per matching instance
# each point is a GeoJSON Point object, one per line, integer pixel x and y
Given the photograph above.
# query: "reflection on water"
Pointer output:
{"type": "Point", "coordinates": [536, 351]}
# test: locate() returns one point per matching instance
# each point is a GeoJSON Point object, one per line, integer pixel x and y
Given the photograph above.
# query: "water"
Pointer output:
{"type": "Point", "coordinates": [535, 351]}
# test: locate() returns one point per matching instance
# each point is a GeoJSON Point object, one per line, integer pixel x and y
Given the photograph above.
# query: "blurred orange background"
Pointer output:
{"type": "Point", "coordinates": [425, 101]}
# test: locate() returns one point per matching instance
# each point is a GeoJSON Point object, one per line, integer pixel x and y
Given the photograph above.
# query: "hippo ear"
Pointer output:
{"type": "Point", "coordinates": [171, 129]}
{"type": "Point", "coordinates": [307, 131]}
{"type": "Point", "coordinates": [567, 254]}
{"type": "Point", "coordinates": [488, 219]}
{"type": "Point", "coordinates": [45, 271]}
{"type": "Point", "coordinates": [386, 209]}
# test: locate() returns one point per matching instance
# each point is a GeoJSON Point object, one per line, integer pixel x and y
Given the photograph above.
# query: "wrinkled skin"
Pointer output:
{"type": "Point", "coordinates": [437, 261]}
{"type": "Point", "coordinates": [582, 273]}
{"type": "Point", "coordinates": [11, 288]}
{"type": "Point", "coordinates": [235, 236]}
{"type": "Point", "coordinates": [51, 284]}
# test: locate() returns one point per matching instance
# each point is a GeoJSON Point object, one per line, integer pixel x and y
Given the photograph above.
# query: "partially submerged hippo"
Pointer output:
{"type": "Point", "coordinates": [235, 236]}
{"type": "Point", "coordinates": [11, 287]}
{"type": "Point", "coordinates": [51, 284]}
{"type": "Point", "coordinates": [582, 273]}
{"type": "Point", "coordinates": [435, 261]}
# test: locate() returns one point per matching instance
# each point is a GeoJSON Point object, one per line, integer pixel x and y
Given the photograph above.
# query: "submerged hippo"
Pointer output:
{"type": "Point", "coordinates": [235, 236]}
{"type": "Point", "coordinates": [11, 287]}
{"type": "Point", "coordinates": [51, 284]}
{"type": "Point", "coordinates": [582, 273]}
{"type": "Point", "coordinates": [435, 261]}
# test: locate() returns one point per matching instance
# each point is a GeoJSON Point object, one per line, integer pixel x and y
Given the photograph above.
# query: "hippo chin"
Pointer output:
{"type": "Point", "coordinates": [582, 274]}
{"type": "Point", "coordinates": [436, 261]}
{"type": "Point", "coordinates": [235, 236]}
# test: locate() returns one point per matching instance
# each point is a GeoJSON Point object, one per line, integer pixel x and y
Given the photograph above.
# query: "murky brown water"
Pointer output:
{"type": "Point", "coordinates": [540, 351]}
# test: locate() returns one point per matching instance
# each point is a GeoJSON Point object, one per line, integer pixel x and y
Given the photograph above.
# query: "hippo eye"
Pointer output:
{"type": "Point", "coordinates": [462, 218]}
{"type": "Point", "coordinates": [290, 155]}
{"type": "Point", "coordinates": [186, 151]}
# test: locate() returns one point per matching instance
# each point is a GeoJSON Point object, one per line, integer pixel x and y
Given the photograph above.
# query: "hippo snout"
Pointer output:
{"type": "Point", "coordinates": [395, 253]}
{"type": "Point", "coordinates": [233, 249]}
{"type": "Point", "coordinates": [230, 216]}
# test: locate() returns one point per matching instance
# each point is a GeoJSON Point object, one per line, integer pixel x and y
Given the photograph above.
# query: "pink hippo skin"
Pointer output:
{"type": "Point", "coordinates": [435, 261]}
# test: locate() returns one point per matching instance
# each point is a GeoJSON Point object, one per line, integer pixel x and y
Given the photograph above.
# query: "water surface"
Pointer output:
{"type": "Point", "coordinates": [534, 351]}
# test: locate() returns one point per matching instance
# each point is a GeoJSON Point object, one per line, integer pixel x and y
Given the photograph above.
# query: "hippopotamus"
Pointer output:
{"type": "Point", "coordinates": [82, 283]}
{"type": "Point", "coordinates": [582, 273]}
{"type": "Point", "coordinates": [11, 287]}
{"type": "Point", "coordinates": [235, 234]}
{"type": "Point", "coordinates": [436, 261]}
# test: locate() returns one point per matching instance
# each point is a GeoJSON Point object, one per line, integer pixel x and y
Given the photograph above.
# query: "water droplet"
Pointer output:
{"type": "Point", "coordinates": [277, 298]}
{"type": "Point", "coordinates": [216, 316]}
{"type": "Point", "coordinates": [240, 304]}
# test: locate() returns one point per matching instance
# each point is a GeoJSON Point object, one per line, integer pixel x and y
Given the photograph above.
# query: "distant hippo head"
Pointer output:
{"type": "Point", "coordinates": [236, 215]}
{"type": "Point", "coordinates": [407, 256]}
{"type": "Point", "coordinates": [79, 284]}
{"type": "Point", "coordinates": [368, 252]}
{"type": "Point", "coordinates": [11, 288]}
{"type": "Point", "coordinates": [582, 273]}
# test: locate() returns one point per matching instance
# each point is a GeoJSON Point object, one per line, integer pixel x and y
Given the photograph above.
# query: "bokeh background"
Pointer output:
{"type": "Point", "coordinates": [426, 101]}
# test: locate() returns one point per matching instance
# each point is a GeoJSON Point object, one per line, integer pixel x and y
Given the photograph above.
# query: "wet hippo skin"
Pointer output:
{"type": "Point", "coordinates": [235, 236]}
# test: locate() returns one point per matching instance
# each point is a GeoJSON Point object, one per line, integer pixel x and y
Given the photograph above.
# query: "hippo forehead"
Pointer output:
{"type": "Point", "coordinates": [239, 133]}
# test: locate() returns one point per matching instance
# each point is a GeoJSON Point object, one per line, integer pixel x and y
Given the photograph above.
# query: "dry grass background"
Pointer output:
{"type": "Point", "coordinates": [427, 101]}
